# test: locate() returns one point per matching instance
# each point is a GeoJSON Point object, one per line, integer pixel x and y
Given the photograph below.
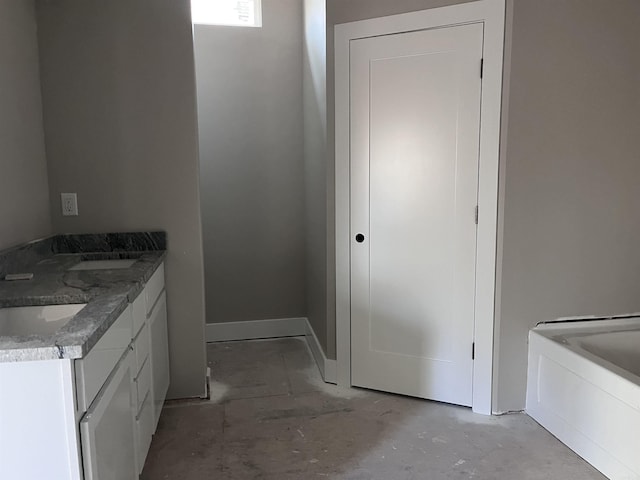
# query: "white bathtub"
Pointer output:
{"type": "Point", "coordinates": [583, 386]}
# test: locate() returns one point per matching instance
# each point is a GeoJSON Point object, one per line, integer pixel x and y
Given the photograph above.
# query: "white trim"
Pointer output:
{"type": "Point", "coordinates": [492, 14]}
{"type": "Point", "coordinates": [255, 329]}
{"type": "Point", "coordinates": [326, 366]}
{"type": "Point", "coordinates": [68, 381]}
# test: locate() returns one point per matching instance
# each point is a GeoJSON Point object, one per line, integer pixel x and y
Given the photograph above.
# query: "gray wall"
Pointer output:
{"type": "Point", "coordinates": [315, 161]}
{"type": "Point", "coordinates": [120, 122]}
{"type": "Point", "coordinates": [252, 172]}
{"type": "Point", "coordinates": [24, 192]}
{"type": "Point", "coordinates": [572, 169]}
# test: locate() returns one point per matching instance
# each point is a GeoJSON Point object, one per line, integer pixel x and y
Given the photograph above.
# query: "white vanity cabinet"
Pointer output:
{"type": "Point", "coordinates": [107, 428]}
{"type": "Point", "coordinates": [117, 429]}
{"type": "Point", "coordinates": [91, 418]}
{"type": "Point", "coordinates": [159, 355]}
{"type": "Point", "coordinates": [106, 396]}
{"type": "Point", "coordinates": [151, 380]}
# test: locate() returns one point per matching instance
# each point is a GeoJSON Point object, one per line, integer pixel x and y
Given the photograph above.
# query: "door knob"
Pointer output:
{"type": "Point", "coordinates": [359, 238]}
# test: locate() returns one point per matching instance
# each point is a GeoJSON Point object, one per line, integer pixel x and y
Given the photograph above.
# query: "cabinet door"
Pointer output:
{"type": "Point", "coordinates": [107, 429]}
{"type": "Point", "coordinates": [159, 355]}
{"type": "Point", "coordinates": [144, 430]}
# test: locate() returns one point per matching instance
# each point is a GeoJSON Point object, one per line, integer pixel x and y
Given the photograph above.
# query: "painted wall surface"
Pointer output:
{"type": "Point", "coordinates": [252, 171]}
{"type": "Point", "coordinates": [571, 158]}
{"type": "Point", "coordinates": [315, 161]}
{"type": "Point", "coordinates": [119, 99]}
{"type": "Point", "coordinates": [24, 191]}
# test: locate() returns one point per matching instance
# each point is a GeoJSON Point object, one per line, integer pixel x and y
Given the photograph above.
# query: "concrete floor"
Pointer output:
{"type": "Point", "coordinates": [271, 417]}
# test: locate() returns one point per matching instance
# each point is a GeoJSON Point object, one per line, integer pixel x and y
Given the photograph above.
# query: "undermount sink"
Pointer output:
{"type": "Point", "coordinates": [38, 320]}
{"type": "Point", "coordinates": [104, 264]}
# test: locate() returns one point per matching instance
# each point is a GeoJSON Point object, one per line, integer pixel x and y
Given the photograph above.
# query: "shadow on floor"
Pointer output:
{"type": "Point", "coordinates": [272, 417]}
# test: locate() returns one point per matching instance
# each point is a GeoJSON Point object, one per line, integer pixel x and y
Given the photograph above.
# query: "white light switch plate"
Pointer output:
{"type": "Point", "coordinates": [69, 203]}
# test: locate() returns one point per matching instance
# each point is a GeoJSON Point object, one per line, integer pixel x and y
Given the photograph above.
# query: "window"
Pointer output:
{"type": "Point", "coordinates": [241, 13]}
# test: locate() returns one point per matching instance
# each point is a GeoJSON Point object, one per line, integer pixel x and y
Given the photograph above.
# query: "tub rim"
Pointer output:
{"type": "Point", "coordinates": [559, 332]}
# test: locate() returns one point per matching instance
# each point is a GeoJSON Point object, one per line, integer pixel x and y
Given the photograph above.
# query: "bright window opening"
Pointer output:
{"type": "Point", "coordinates": [240, 13]}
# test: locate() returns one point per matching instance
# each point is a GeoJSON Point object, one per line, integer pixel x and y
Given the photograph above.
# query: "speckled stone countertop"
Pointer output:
{"type": "Point", "coordinates": [106, 292]}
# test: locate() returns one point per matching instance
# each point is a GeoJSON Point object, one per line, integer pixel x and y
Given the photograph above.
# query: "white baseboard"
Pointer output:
{"type": "Point", "coordinates": [327, 367]}
{"type": "Point", "coordinates": [255, 329]}
{"type": "Point", "coordinates": [274, 328]}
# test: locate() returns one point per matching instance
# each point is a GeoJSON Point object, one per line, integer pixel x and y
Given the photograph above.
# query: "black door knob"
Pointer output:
{"type": "Point", "coordinates": [359, 238]}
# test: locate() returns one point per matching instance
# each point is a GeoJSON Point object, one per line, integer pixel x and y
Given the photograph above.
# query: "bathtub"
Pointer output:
{"type": "Point", "coordinates": [583, 386]}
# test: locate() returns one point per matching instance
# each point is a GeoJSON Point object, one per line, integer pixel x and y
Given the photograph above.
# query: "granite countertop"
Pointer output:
{"type": "Point", "coordinates": [106, 292]}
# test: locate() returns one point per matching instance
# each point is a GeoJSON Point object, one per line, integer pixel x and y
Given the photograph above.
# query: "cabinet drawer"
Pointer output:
{"type": "Point", "coordinates": [92, 371]}
{"type": "Point", "coordinates": [154, 287]}
{"type": "Point", "coordinates": [144, 432]}
{"type": "Point", "coordinates": [143, 383]}
{"type": "Point", "coordinates": [141, 346]}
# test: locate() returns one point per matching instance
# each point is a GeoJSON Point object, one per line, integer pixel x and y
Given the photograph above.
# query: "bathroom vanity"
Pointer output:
{"type": "Point", "coordinates": [84, 365]}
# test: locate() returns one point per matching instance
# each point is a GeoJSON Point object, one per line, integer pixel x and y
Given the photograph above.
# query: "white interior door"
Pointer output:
{"type": "Point", "coordinates": [414, 147]}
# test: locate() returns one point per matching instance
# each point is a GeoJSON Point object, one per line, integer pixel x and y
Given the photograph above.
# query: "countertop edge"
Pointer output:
{"type": "Point", "coordinates": [76, 339]}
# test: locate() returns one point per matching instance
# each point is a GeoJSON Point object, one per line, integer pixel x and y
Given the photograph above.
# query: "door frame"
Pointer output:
{"type": "Point", "coordinates": [492, 14]}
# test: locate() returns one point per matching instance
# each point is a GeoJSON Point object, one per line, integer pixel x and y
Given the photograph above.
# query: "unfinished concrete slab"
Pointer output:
{"type": "Point", "coordinates": [271, 417]}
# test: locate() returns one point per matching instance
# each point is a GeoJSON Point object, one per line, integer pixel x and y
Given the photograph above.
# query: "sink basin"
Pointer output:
{"type": "Point", "coordinates": [42, 320]}
{"type": "Point", "coordinates": [104, 264]}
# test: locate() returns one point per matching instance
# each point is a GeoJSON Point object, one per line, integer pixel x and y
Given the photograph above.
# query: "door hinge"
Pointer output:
{"type": "Point", "coordinates": [473, 351]}
{"type": "Point", "coordinates": [481, 67]}
{"type": "Point", "coordinates": [476, 214]}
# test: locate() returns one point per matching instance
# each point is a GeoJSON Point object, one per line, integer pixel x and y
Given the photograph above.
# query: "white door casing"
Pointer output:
{"type": "Point", "coordinates": [415, 118]}
{"type": "Point", "coordinates": [490, 15]}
